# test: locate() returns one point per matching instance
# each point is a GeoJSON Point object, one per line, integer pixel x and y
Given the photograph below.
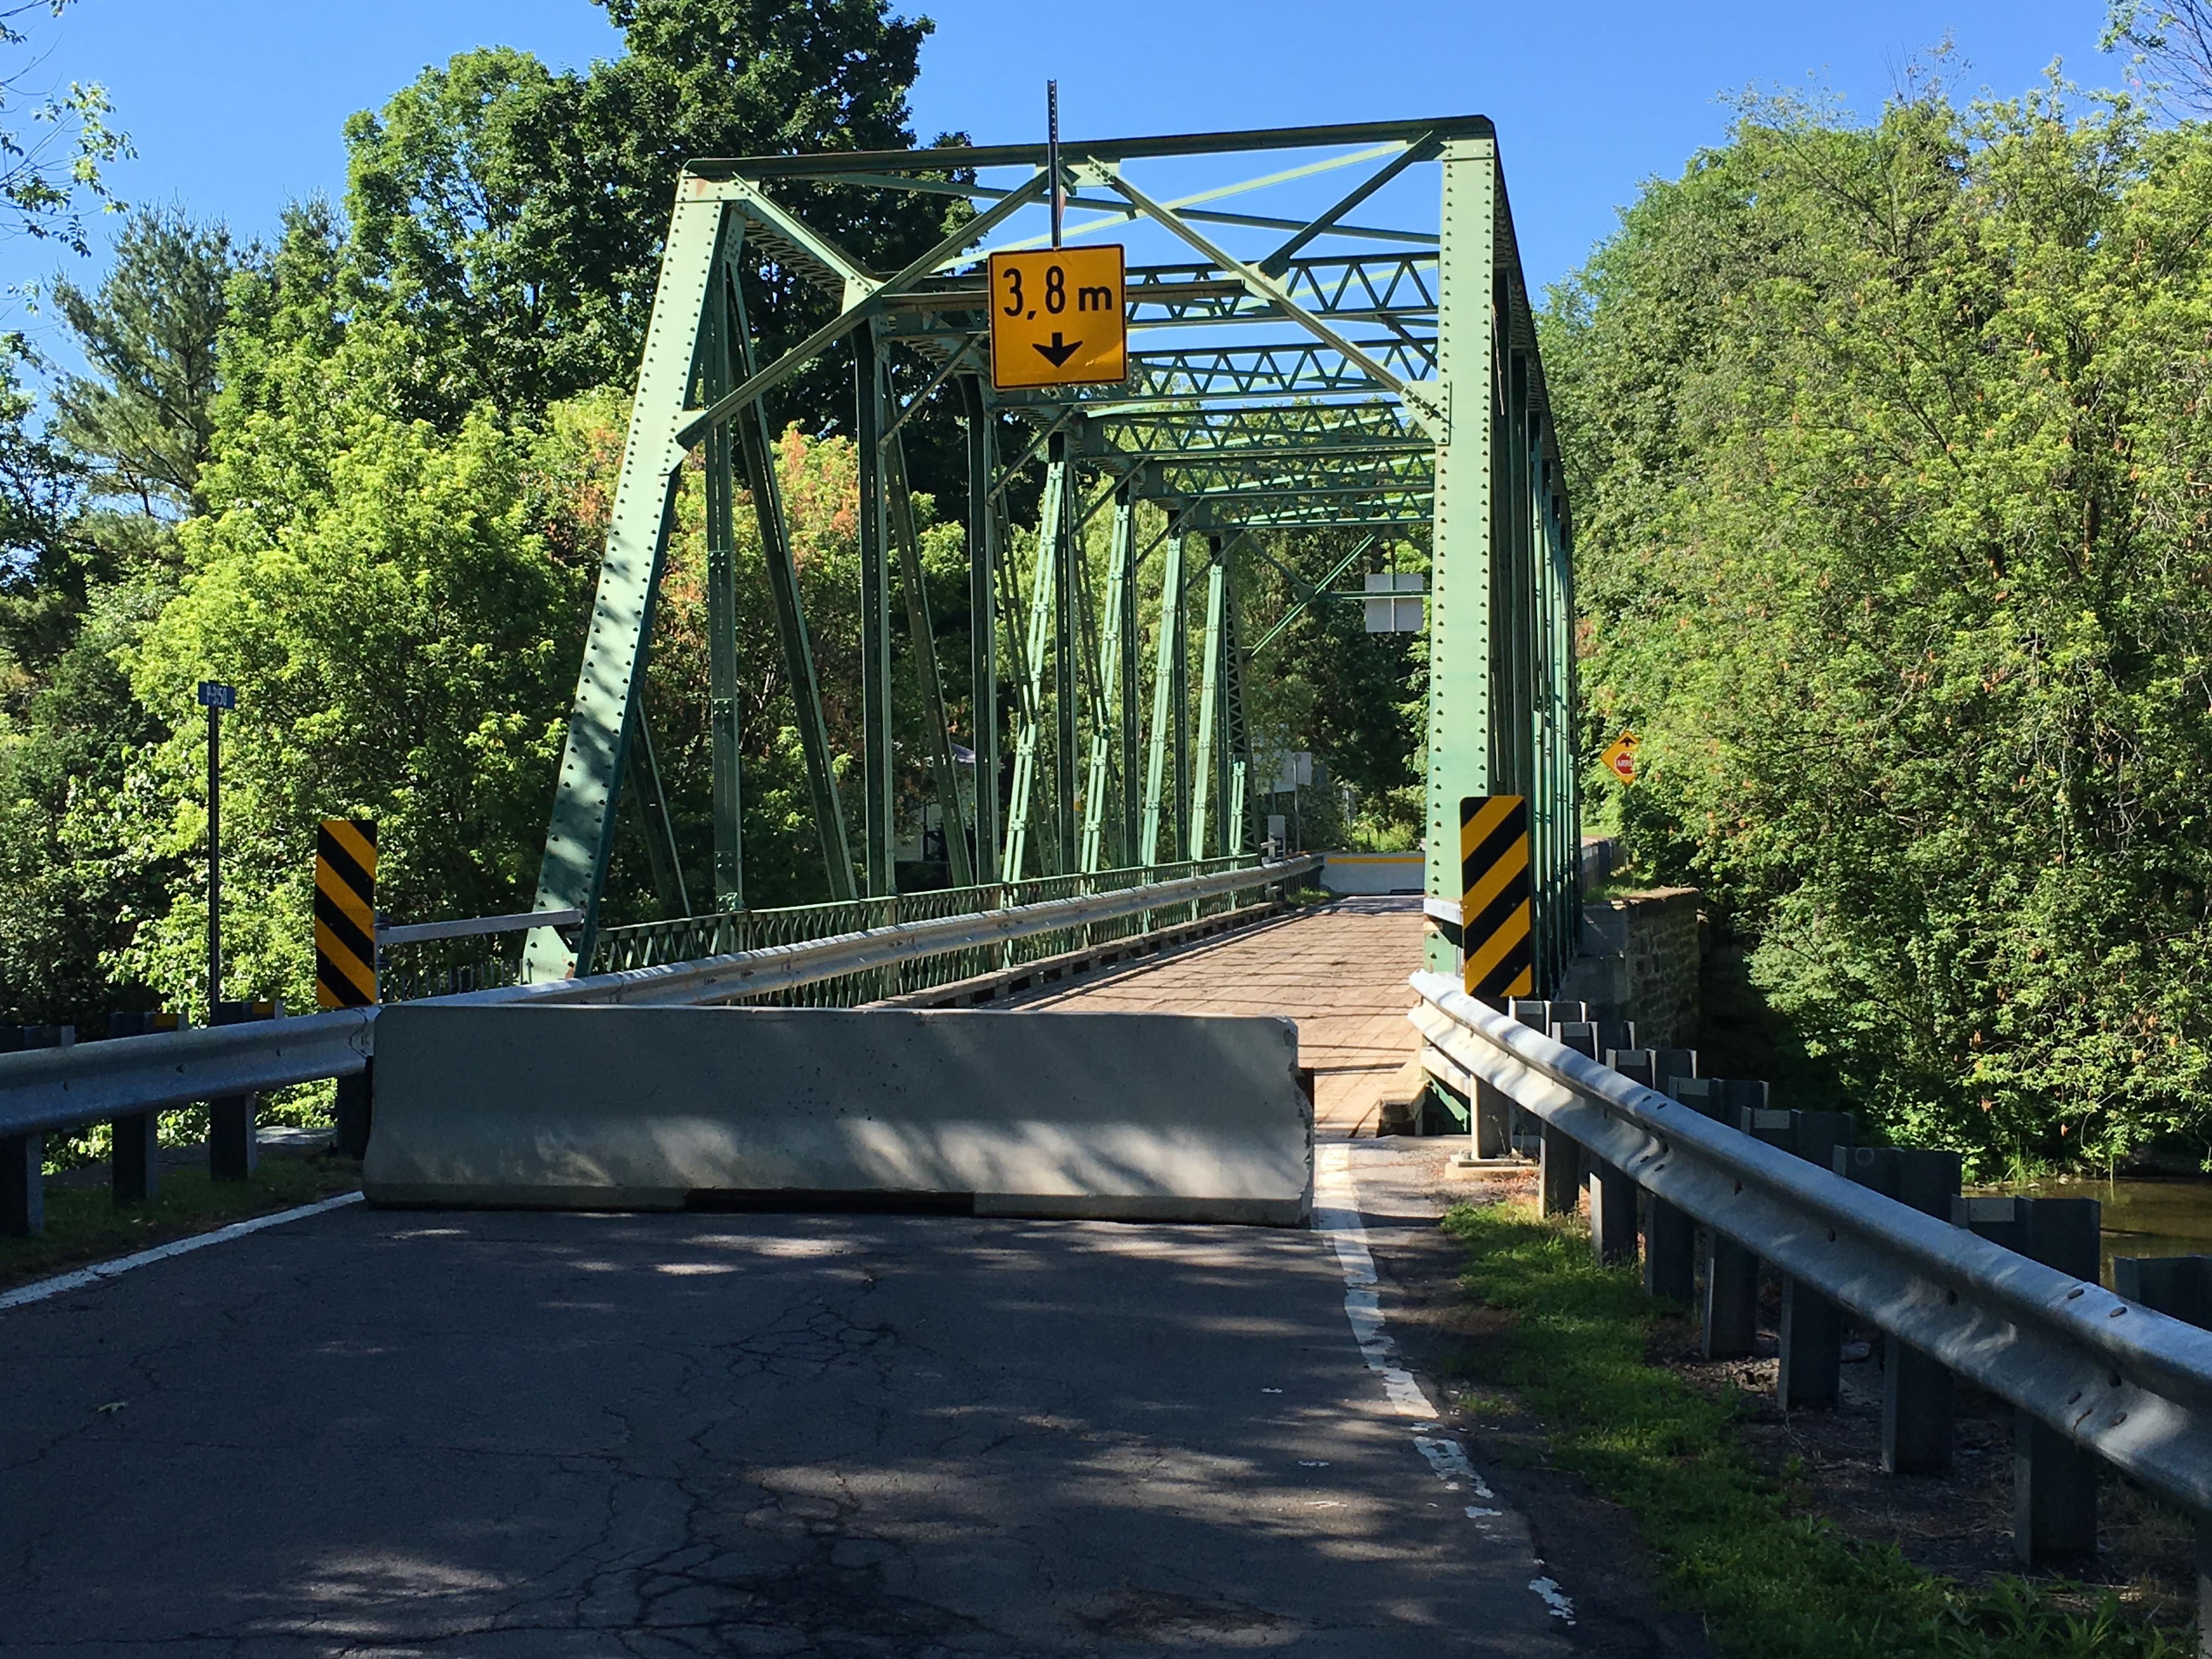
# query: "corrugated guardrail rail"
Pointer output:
{"type": "Point", "coordinates": [54, 1089]}
{"type": "Point", "coordinates": [2111, 1375]}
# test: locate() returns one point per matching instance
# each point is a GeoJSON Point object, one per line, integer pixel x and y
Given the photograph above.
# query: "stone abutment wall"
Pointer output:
{"type": "Point", "coordinates": [1640, 959]}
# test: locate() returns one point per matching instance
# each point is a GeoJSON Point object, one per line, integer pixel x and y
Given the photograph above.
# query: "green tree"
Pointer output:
{"type": "Point", "coordinates": [1886, 444]}
{"type": "Point", "coordinates": [401, 638]}
{"type": "Point", "coordinates": [1357, 700]}
{"type": "Point", "coordinates": [514, 217]}
{"type": "Point", "coordinates": [143, 421]}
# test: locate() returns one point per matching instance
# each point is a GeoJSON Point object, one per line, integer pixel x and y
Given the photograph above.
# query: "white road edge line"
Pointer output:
{"type": "Point", "coordinates": [1336, 1213]}
{"type": "Point", "coordinates": [100, 1272]}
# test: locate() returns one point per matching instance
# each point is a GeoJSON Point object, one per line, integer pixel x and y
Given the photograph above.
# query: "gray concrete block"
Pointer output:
{"type": "Point", "coordinates": [1118, 1116]}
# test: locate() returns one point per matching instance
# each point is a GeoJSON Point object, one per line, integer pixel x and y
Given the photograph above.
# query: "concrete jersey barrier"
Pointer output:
{"type": "Point", "coordinates": [1156, 1117]}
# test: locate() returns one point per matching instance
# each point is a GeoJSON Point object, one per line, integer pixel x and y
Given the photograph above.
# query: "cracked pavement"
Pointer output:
{"type": "Point", "coordinates": [497, 1433]}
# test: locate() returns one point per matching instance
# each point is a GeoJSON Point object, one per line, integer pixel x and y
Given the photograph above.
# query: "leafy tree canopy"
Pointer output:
{"type": "Point", "coordinates": [145, 419]}
{"type": "Point", "coordinates": [1887, 445]}
{"type": "Point", "coordinates": [513, 216]}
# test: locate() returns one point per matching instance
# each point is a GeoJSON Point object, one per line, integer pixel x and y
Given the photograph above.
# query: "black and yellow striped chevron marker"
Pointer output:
{"type": "Point", "coordinates": [1493, 906]}
{"type": "Point", "coordinates": [345, 913]}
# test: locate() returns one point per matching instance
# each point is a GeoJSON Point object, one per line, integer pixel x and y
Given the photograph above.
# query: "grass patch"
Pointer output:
{"type": "Point", "coordinates": [1774, 1580]}
{"type": "Point", "coordinates": [83, 1225]}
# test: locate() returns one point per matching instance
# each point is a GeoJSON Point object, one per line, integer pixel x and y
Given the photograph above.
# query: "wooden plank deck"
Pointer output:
{"type": "Point", "coordinates": [1338, 969]}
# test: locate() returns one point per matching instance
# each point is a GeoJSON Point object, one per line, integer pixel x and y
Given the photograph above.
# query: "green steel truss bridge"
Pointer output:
{"type": "Point", "coordinates": [1362, 369]}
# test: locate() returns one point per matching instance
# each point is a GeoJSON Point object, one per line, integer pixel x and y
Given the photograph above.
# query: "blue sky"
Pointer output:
{"type": "Point", "coordinates": [235, 106]}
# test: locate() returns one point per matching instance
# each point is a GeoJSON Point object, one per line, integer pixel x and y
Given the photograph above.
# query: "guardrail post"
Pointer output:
{"type": "Point", "coordinates": [1612, 1194]}
{"type": "Point", "coordinates": [1538, 1014]}
{"type": "Point", "coordinates": [1915, 1389]}
{"type": "Point", "coordinates": [2203, 1587]}
{"type": "Point", "coordinates": [1612, 1214]}
{"type": "Point", "coordinates": [1730, 1326]}
{"type": "Point", "coordinates": [1491, 1109]}
{"type": "Point", "coordinates": [1811, 1372]}
{"type": "Point", "coordinates": [234, 1146]}
{"type": "Point", "coordinates": [355, 1108]}
{"type": "Point", "coordinates": [2054, 1481]}
{"type": "Point", "coordinates": [23, 1158]}
{"type": "Point", "coordinates": [22, 1185]}
{"type": "Point", "coordinates": [1670, 1237]}
{"type": "Point", "coordinates": [1559, 1174]}
{"type": "Point", "coordinates": [134, 1160]}
{"type": "Point", "coordinates": [1560, 1178]}
{"type": "Point", "coordinates": [2180, 1288]}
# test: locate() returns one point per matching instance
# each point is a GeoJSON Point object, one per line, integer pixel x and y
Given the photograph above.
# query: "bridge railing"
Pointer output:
{"type": "Point", "coordinates": [53, 1089]}
{"type": "Point", "coordinates": [2105, 1373]}
{"type": "Point", "coordinates": [690, 939]}
{"type": "Point", "coordinates": [414, 964]}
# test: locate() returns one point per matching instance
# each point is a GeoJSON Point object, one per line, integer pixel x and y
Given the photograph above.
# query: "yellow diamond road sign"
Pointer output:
{"type": "Point", "coordinates": [1620, 758]}
{"type": "Point", "coordinates": [1057, 317]}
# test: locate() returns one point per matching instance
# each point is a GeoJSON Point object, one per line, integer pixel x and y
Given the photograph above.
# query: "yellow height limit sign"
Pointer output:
{"type": "Point", "coordinates": [1057, 317]}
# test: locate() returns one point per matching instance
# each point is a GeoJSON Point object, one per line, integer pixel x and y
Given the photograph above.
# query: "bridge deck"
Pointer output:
{"type": "Point", "coordinates": [1339, 970]}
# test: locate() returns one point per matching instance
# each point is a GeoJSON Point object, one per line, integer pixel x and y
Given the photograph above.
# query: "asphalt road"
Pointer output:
{"type": "Point", "coordinates": [511, 1434]}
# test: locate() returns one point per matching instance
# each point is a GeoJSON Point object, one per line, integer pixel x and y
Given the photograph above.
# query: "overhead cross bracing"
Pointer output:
{"type": "Point", "coordinates": [1331, 358]}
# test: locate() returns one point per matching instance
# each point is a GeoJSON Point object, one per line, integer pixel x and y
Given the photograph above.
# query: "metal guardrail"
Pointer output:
{"type": "Point", "coordinates": [2128, 1384]}
{"type": "Point", "coordinates": [49, 1089]}
{"type": "Point", "coordinates": [64, 1088]}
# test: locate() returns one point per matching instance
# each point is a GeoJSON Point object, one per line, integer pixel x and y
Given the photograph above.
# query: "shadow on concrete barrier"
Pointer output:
{"type": "Point", "coordinates": [1137, 1117]}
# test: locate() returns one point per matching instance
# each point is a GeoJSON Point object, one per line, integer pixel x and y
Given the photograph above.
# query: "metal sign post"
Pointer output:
{"type": "Point", "coordinates": [1052, 154]}
{"type": "Point", "coordinates": [215, 697]}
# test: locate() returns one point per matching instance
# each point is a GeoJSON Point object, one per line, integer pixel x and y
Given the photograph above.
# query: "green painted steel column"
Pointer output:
{"type": "Point", "coordinates": [715, 379]}
{"type": "Point", "coordinates": [939, 734]}
{"type": "Point", "coordinates": [1047, 562]}
{"type": "Point", "coordinates": [1067, 552]}
{"type": "Point", "coordinates": [1565, 771]}
{"type": "Point", "coordinates": [1126, 541]}
{"type": "Point", "coordinates": [1163, 686]}
{"type": "Point", "coordinates": [1545, 797]}
{"type": "Point", "coordinates": [758, 450]}
{"type": "Point", "coordinates": [1570, 701]}
{"type": "Point", "coordinates": [1235, 728]}
{"type": "Point", "coordinates": [982, 621]}
{"type": "Point", "coordinates": [1179, 718]}
{"type": "Point", "coordinates": [875, 614]}
{"type": "Point", "coordinates": [662, 857]}
{"type": "Point", "coordinates": [1518, 590]}
{"type": "Point", "coordinates": [1547, 874]}
{"type": "Point", "coordinates": [1121, 556]}
{"type": "Point", "coordinates": [1209, 696]}
{"type": "Point", "coordinates": [1460, 572]}
{"type": "Point", "coordinates": [580, 834]}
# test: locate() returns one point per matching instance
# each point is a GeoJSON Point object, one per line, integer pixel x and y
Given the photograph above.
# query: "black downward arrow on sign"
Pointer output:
{"type": "Point", "coordinates": [1059, 352]}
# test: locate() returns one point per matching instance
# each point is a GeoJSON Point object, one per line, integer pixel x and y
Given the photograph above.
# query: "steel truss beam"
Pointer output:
{"type": "Point", "coordinates": [1400, 286]}
{"type": "Point", "coordinates": [1268, 429]}
{"type": "Point", "coordinates": [1396, 389]}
